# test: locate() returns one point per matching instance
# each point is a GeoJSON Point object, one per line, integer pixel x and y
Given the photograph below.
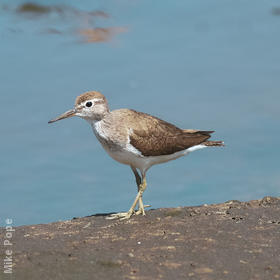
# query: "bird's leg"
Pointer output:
{"type": "Point", "coordinates": [142, 188]}
{"type": "Point", "coordinates": [141, 209]}
{"type": "Point", "coordinates": [138, 182]}
{"type": "Point", "coordinates": [127, 215]}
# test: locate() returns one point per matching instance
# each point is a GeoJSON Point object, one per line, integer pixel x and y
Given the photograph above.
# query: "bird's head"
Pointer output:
{"type": "Point", "coordinates": [91, 106]}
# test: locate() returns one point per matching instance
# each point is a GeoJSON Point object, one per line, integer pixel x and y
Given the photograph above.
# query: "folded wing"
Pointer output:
{"type": "Point", "coordinates": [155, 137]}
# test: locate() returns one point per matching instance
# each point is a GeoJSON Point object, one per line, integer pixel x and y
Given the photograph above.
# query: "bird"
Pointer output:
{"type": "Point", "coordinates": [136, 139]}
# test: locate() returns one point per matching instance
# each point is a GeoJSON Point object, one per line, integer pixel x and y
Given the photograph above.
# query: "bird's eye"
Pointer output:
{"type": "Point", "coordinates": [89, 104]}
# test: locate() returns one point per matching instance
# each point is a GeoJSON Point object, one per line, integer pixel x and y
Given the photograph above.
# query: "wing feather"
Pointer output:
{"type": "Point", "coordinates": [154, 137]}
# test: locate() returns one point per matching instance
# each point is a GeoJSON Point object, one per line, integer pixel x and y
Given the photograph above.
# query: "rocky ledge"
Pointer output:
{"type": "Point", "coordinates": [232, 240]}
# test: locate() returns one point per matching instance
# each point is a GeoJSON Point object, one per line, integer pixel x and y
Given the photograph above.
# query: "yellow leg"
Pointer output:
{"type": "Point", "coordinates": [138, 182]}
{"type": "Point", "coordinates": [138, 199]}
{"type": "Point", "coordinates": [140, 202]}
{"type": "Point", "coordinates": [141, 209]}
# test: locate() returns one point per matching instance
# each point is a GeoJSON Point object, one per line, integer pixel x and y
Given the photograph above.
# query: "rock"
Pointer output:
{"type": "Point", "coordinates": [232, 240]}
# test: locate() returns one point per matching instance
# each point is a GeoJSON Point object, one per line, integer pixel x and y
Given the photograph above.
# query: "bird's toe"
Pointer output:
{"type": "Point", "coordinates": [121, 216]}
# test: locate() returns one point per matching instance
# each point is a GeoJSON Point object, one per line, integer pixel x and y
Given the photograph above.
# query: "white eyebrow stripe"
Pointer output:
{"type": "Point", "coordinates": [97, 100]}
{"type": "Point", "coordinates": [94, 101]}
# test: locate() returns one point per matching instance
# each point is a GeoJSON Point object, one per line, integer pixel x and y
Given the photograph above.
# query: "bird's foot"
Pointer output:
{"type": "Point", "coordinates": [141, 210]}
{"type": "Point", "coordinates": [121, 215]}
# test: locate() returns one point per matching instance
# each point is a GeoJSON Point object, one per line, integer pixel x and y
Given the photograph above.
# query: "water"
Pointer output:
{"type": "Point", "coordinates": [211, 65]}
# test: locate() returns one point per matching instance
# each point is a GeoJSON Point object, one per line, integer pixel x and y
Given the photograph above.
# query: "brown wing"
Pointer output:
{"type": "Point", "coordinates": [154, 137]}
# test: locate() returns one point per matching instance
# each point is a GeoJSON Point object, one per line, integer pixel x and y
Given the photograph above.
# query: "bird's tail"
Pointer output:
{"type": "Point", "coordinates": [213, 143]}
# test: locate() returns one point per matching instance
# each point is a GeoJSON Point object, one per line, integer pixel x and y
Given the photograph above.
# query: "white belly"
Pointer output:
{"type": "Point", "coordinates": [144, 163]}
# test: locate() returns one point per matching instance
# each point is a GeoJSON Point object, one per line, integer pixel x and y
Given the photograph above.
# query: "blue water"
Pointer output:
{"type": "Point", "coordinates": [198, 64]}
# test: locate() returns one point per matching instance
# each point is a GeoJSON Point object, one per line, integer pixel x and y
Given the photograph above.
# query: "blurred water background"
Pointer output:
{"type": "Point", "coordinates": [198, 64]}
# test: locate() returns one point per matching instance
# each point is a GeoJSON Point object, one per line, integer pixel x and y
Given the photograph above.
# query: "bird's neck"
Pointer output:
{"type": "Point", "coordinates": [98, 116]}
{"type": "Point", "coordinates": [98, 129]}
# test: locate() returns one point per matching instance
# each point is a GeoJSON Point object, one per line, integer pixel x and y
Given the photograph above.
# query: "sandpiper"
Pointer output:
{"type": "Point", "coordinates": [136, 139]}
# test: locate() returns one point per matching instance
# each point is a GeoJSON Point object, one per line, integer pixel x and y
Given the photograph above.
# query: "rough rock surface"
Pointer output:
{"type": "Point", "coordinates": [232, 240]}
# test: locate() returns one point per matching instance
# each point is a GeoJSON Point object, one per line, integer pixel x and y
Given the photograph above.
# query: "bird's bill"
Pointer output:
{"type": "Point", "coordinates": [65, 115]}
